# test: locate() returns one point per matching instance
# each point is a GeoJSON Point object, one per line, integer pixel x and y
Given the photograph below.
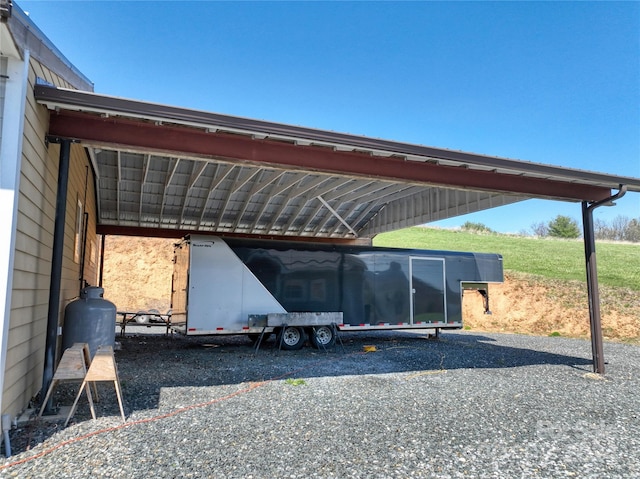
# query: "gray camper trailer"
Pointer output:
{"type": "Point", "coordinates": [300, 290]}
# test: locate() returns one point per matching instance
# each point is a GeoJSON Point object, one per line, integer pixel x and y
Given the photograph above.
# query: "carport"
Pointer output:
{"type": "Point", "coordinates": [167, 171]}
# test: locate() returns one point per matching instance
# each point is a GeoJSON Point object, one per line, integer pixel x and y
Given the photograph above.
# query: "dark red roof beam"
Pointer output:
{"type": "Point", "coordinates": [178, 234]}
{"type": "Point", "coordinates": [143, 135]}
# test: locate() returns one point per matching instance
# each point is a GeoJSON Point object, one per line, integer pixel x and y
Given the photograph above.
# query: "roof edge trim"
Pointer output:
{"type": "Point", "coordinates": [27, 36]}
{"type": "Point", "coordinates": [73, 100]}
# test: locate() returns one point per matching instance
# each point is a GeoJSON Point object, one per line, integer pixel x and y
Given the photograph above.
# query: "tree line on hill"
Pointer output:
{"type": "Point", "coordinates": [621, 228]}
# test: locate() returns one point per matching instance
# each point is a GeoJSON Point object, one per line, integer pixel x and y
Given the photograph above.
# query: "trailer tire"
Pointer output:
{"type": "Point", "coordinates": [322, 337]}
{"type": "Point", "coordinates": [291, 338]}
{"type": "Point", "coordinates": [141, 317]}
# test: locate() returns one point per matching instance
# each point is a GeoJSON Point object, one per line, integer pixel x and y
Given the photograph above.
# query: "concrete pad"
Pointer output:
{"type": "Point", "coordinates": [31, 414]}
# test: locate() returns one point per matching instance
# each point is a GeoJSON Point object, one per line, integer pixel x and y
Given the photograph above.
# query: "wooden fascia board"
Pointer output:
{"type": "Point", "coordinates": [146, 136]}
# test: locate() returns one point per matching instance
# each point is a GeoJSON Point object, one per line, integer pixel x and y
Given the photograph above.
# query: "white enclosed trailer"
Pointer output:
{"type": "Point", "coordinates": [300, 290]}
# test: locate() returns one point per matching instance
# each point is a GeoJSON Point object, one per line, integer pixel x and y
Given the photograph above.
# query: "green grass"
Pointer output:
{"type": "Point", "coordinates": [618, 263]}
{"type": "Point", "coordinates": [295, 382]}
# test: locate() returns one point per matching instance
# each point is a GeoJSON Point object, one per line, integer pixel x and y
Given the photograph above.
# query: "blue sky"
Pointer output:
{"type": "Point", "coordinates": [548, 82]}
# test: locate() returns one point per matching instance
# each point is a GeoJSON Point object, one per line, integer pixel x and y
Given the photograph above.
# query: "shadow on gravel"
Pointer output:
{"type": "Point", "coordinates": [149, 363]}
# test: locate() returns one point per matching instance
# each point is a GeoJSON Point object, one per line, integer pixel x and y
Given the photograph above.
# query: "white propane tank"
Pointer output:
{"type": "Point", "coordinates": [90, 319]}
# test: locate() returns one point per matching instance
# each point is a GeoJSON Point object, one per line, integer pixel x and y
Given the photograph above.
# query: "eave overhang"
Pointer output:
{"type": "Point", "coordinates": [188, 141]}
{"type": "Point", "coordinates": [329, 184]}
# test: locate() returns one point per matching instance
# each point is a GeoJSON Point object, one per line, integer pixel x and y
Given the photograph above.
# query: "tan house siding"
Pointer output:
{"type": "Point", "coordinates": [34, 243]}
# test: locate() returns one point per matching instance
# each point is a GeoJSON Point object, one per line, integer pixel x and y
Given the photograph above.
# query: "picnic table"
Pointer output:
{"type": "Point", "coordinates": [149, 318]}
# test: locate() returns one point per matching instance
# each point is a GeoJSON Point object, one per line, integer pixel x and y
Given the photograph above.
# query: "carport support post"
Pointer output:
{"type": "Point", "coordinates": [56, 267]}
{"type": "Point", "coordinates": [593, 291]}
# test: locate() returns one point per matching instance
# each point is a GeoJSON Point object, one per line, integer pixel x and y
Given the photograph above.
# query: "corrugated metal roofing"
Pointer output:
{"type": "Point", "coordinates": [153, 191]}
{"type": "Point", "coordinates": [172, 168]}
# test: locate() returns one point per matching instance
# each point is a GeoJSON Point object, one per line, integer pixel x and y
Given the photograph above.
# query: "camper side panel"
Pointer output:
{"type": "Point", "coordinates": [373, 287]}
{"type": "Point", "coordinates": [468, 267]}
{"type": "Point", "coordinates": [369, 287]}
{"type": "Point", "coordinates": [222, 292]}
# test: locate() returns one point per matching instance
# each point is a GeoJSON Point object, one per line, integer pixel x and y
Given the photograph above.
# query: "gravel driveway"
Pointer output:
{"type": "Point", "coordinates": [467, 405]}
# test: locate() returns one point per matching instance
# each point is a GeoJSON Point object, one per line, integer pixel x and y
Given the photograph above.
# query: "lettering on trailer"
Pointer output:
{"type": "Point", "coordinates": [203, 244]}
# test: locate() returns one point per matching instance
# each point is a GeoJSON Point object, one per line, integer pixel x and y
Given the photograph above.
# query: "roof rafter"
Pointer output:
{"type": "Point", "coordinates": [336, 215]}
{"type": "Point", "coordinates": [146, 160]}
{"type": "Point", "coordinates": [310, 194]}
{"type": "Point", "coordinates": [275, 193]}
{"type": "Point", "coordinates": [173, 166]}
{"type": "Point", "coordinates": [366, 192]}
{"type": "Point", "coordinates": [294, 193]}
{"type": "Point", "coordinates": [215, 181]}
{"type": "Point", "coordinates": [261, 184]}
{"type": "Point", "coordinates": [196, 172]}
{"type": "Point", "coordinates": [240, 180]}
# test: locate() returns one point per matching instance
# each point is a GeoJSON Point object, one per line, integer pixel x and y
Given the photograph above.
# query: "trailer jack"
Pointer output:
{"type": "Point", "coordinates": [485, 300]}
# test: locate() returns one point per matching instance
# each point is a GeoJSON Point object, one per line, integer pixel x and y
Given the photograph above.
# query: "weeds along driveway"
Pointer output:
{"type": "Point", "coordinates": [469, 404]}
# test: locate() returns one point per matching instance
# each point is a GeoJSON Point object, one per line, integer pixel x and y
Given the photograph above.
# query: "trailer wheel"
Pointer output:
{"type": "Point", "coordinates": [291, 338]}
{"type": "Point", "coordinates": [323, 337]}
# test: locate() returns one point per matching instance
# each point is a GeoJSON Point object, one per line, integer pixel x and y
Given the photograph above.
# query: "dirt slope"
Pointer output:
{"type": "Point", "coordinates": [534, 305]}
{"type": "Point", "coordinates": [137, 276]}
{"type": "Point", "coordinates": [137, 272]}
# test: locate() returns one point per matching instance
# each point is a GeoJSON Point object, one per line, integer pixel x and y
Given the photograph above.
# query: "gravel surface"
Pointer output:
{"type": "Point", "coordinates": [467, 405]}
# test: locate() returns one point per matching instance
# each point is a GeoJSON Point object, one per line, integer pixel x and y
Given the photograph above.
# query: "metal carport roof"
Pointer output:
{"type": "Point", "coordinates": [174, 170]}
{"type": "Point", "coordinates": [170, 171]}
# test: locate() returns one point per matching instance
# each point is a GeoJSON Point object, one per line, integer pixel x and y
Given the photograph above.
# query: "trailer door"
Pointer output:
{"type": "Point", "coordinates": [428, 292]}
{"type": "Point", "coordinates": [180, 283]}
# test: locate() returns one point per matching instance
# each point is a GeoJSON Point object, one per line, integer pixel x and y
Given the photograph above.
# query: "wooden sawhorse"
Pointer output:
{"type": "Point", "coordinates": [103, 368]}
{"type": "Point", "coordinates": [73, 366]}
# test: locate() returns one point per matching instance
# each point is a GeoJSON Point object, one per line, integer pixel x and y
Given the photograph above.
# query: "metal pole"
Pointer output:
{"type": "Point", "coordinates": [593, 291]}
{"type": "Point", "coordinates": [56, 268]}
{"type": "Point", "coordinates": [102, 237]}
